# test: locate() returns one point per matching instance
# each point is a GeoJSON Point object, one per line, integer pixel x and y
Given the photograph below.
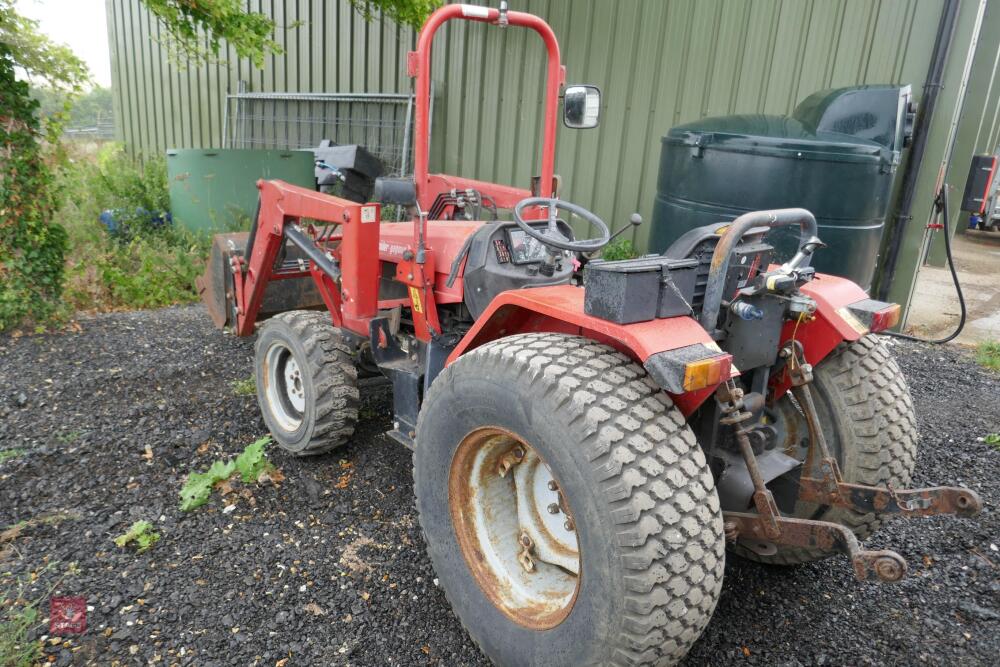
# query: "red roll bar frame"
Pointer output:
{"type": "Point", "coordinates": [419, 66]}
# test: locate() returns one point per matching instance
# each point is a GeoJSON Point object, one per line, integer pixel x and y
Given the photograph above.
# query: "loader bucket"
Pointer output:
{"type": "Point", "coordinates": [217, 291]}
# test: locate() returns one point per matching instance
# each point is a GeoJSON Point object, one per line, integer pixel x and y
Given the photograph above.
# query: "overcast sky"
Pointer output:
{"type": "Point", "coordinates": [80, 24]}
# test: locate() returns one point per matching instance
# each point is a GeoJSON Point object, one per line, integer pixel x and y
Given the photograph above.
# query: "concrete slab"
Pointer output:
{"type": "Point", "coordinates": [934, 312]}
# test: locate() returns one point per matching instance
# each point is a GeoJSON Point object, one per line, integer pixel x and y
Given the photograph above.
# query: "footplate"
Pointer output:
{"type": "Point", "coordinates": [886, 566]}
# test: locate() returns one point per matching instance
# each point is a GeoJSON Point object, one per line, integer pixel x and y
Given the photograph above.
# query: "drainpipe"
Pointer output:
{"type": "Point", "coordinates": [932, 86]}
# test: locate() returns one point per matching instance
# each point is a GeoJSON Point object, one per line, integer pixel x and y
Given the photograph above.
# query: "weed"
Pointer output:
{"type": "Point", "coordinates": [138, 261]}
{"type": "Point", "coordinates": [141, 533]}
{"type": "Point", "coordinates": [19, 617]}
{"type": "Point", "coordinates": [993, 440]}
{"type": "Point", "coordinates": [247, 387]}
{"type": "Point", "coordinates": [16, 649]}
{"type": "Point", "coordinates": [8, 454]}
{"type": "Point", "coordinates": [69, 437]}
{"type": "Point", "coordinates": [619, 249]}
{"type": "Point", "coordinates": [250, 464]}
{"type": "Point", "coordinates": [988, 354]}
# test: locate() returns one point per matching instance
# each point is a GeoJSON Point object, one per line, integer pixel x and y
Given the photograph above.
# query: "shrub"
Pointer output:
{"type": "Point", "coordinates": [32, 246]}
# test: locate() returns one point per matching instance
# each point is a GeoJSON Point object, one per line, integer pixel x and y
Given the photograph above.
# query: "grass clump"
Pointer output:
{"type": "Point", "coordinates": [17, 620]}
{"type": "Point", "coordinates": [251, 464]}
{"type": "Point", "coordinates": [9, 454]}
{"type": "Point", "coordinates": [141, 533]}
{"type": "Point", "coordinates": [247, 387]}
{"type": "Point", "coordinates": [988, 354]}
{"type": "Point", "coordinates": [993, 440]}
{"type": "Point", "coordinates": [619, 249]}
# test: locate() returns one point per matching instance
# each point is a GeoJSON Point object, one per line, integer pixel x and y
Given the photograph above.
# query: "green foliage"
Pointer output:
{"type": "Point", "coordinates": [143, 265]}
{"type": "Point", "coordinates": [32, 247]}
{"type": "Point", "coordinates": [993, 440]}
{"type": "Point", "coordinates": [8, 454]}
{"type": "Point", "coordinates": [988, 354]}
{"type": "Point", "coordinates": [89, 108]}
{"type": "Point", "coordinates": [141, 533]}
{"type": "Point", "coordinates": [405, 12]}
{"type": "Point", "coordinates": [250, 464]}
{"type": "Point", "coordinates": [16, 624]}
{"type": "Point", "coordinates": [247, 387]}
{"type": "Point", "coordinates": [197, 29]}
{"type": "Point", "coordinates": [618, 249]}
{"type": "Point", "coordinates": [190, 24]}
{"type": "Point", "coordinates": [36, 54]}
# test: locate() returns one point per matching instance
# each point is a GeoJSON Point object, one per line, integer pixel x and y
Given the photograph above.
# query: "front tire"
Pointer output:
{"type": "Point", "coordinates": [307, 383]}
{"type": "Point", "coordinates": [649, 548]}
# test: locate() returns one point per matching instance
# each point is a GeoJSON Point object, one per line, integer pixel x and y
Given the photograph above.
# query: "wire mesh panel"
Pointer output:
{"type": "Point", "coordinates": [381, 122]}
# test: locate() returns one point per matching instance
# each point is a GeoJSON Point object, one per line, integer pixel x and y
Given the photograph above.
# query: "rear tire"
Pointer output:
{"type": "Point", "coordinates": [866, 414]}
{"type": "Point", "coordinates": [648, 526]}
{"type": "Point", "coordinates": [306, 382]}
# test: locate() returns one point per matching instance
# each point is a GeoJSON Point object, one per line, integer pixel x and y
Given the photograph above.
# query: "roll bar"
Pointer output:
{"type": "Point", "coordinates": [419, 65]}
{"type": "Point", "coordinates": [719, 269]}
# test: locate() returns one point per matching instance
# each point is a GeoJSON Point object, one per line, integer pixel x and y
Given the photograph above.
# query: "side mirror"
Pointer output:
{"type": "Point", "coordinates": [581, 107]}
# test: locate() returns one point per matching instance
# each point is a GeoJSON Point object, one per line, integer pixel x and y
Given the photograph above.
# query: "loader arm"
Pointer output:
{"type": "Point", "coordinates": [342, 265]}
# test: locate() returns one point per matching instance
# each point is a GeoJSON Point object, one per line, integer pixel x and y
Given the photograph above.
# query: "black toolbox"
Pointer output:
{"type": "Point", "coordinates": [641, 289]}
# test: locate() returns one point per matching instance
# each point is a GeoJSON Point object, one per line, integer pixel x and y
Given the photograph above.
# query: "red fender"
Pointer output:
{"type": "Point", "coordinates": [828, 328]}
{"type": "Point", "coordinates": [559, 309]}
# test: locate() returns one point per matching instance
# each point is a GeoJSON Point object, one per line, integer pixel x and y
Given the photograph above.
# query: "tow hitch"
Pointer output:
{"type": "Point", "coordinates": [768, 526]}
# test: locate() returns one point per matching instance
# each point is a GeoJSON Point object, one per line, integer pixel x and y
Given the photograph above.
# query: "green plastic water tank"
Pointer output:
{"type": "Point", "coordinates": [836, 156]}
{"type": "Point", "coordinates": [215, 190]}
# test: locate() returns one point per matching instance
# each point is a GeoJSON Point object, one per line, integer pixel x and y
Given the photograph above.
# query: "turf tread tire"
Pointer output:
{"type": "Point", "coordinates": [863, 380]}
{"type": "Point", "coordinates": [644, 461]}
{"type": "Point", "coordinates": [329, 361]}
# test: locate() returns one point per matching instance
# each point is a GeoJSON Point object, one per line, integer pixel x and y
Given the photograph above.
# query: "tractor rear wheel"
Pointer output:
{"type": "Point", "coordinates": [866, 413]}
{"type": "Point", "coordinates": [306, 382]}
{"type": "Point", "coordinates": [568, 509]}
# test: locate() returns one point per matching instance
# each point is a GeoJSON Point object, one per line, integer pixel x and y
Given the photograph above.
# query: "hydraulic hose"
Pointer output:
{"type": "Point", "coordinates": [942, 210]}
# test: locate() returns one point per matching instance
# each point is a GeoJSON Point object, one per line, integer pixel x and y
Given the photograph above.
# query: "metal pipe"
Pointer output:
{"type": "Point", "coordinates": [782, 217]}
{"type": "Point", "coordinates": [294, 234]}
{"type": "Point", "coordinates": [921, 130]}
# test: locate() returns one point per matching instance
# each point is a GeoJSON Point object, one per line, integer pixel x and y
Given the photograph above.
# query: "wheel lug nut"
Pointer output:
{"type": "Point", "coordinates": [553, 508]}
{"type": "Point", "coordinates": [552, 485]}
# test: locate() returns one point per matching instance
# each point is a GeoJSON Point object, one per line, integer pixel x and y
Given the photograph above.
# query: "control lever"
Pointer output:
{"type": "Point", "coordinates": [634, 221]}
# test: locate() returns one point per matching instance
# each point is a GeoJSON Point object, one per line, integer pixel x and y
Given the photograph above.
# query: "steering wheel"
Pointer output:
{"type": "Point", "coordinates": [551, 235]}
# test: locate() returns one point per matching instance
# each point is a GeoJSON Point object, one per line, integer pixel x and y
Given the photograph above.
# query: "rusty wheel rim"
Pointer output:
{"type": "Point", "coordinates": [514, 527]}
{"type": "Point", "coordinates": [284, 390]}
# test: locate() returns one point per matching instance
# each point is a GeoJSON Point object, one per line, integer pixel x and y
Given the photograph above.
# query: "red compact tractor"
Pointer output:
{"type": "Point", "coordinates": [589, 436]}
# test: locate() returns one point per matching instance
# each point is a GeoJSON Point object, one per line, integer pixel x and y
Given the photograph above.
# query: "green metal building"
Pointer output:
{"type": "Point", "coordinates": [658, 62]}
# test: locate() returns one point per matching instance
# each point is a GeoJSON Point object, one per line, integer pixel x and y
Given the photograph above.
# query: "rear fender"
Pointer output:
{"type": "Point", "coordinates": [831, 325]}
{"type": "Point", "coordinates": [559, 309]}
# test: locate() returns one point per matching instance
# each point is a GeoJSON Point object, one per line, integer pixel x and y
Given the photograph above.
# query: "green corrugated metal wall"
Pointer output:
{"type": "Point", "coordinates": [658, 62]}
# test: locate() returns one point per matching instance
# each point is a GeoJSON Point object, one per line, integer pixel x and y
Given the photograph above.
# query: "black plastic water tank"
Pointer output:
{"type": "Point", "coordinates": [836, 156]}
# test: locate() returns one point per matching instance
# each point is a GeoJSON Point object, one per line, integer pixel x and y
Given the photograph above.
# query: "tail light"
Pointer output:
{"type": "Point", "coordinates": [873, 315]}
{"type": "Point", "coordinates": [707, 372]}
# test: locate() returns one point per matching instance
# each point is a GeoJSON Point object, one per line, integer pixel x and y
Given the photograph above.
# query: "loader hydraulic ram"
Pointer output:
{"type": "Point", "coordinates": [588, 435]}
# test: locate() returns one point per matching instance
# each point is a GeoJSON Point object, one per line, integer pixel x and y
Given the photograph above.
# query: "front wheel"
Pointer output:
{"type": "Point", "coordinates": [306, 382]}
{"type": "Point", "coordinates": [567, 508]}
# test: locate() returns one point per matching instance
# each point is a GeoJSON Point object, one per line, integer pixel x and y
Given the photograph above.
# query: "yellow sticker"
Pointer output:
{"type": "Point", "coordinates": [415, 298]}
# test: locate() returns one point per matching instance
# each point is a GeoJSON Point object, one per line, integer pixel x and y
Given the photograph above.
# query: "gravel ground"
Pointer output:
{"type": "Point", "coordinates": [328, 567]}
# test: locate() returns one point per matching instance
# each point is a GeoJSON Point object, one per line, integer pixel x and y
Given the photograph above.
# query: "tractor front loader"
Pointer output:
{"type": "Point", "coordinates": [589, 436]}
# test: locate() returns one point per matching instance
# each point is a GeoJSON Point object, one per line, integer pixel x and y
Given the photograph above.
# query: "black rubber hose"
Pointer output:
{"type": "Point", "coordinates": [943, 210]}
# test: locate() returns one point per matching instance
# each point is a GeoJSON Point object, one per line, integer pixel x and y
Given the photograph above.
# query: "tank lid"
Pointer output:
{"type": "Point", "coordinates": [758, 133]}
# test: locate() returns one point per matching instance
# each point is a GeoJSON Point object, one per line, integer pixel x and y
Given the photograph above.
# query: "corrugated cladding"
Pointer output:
{"type": "Point", "coordinates": [658, 63]}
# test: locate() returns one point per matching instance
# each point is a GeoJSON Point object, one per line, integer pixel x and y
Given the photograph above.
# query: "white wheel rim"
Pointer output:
{"type": "Point", "coordinates": [500, 519]}
{"type": "Point", "coordinates": [284, 389]}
